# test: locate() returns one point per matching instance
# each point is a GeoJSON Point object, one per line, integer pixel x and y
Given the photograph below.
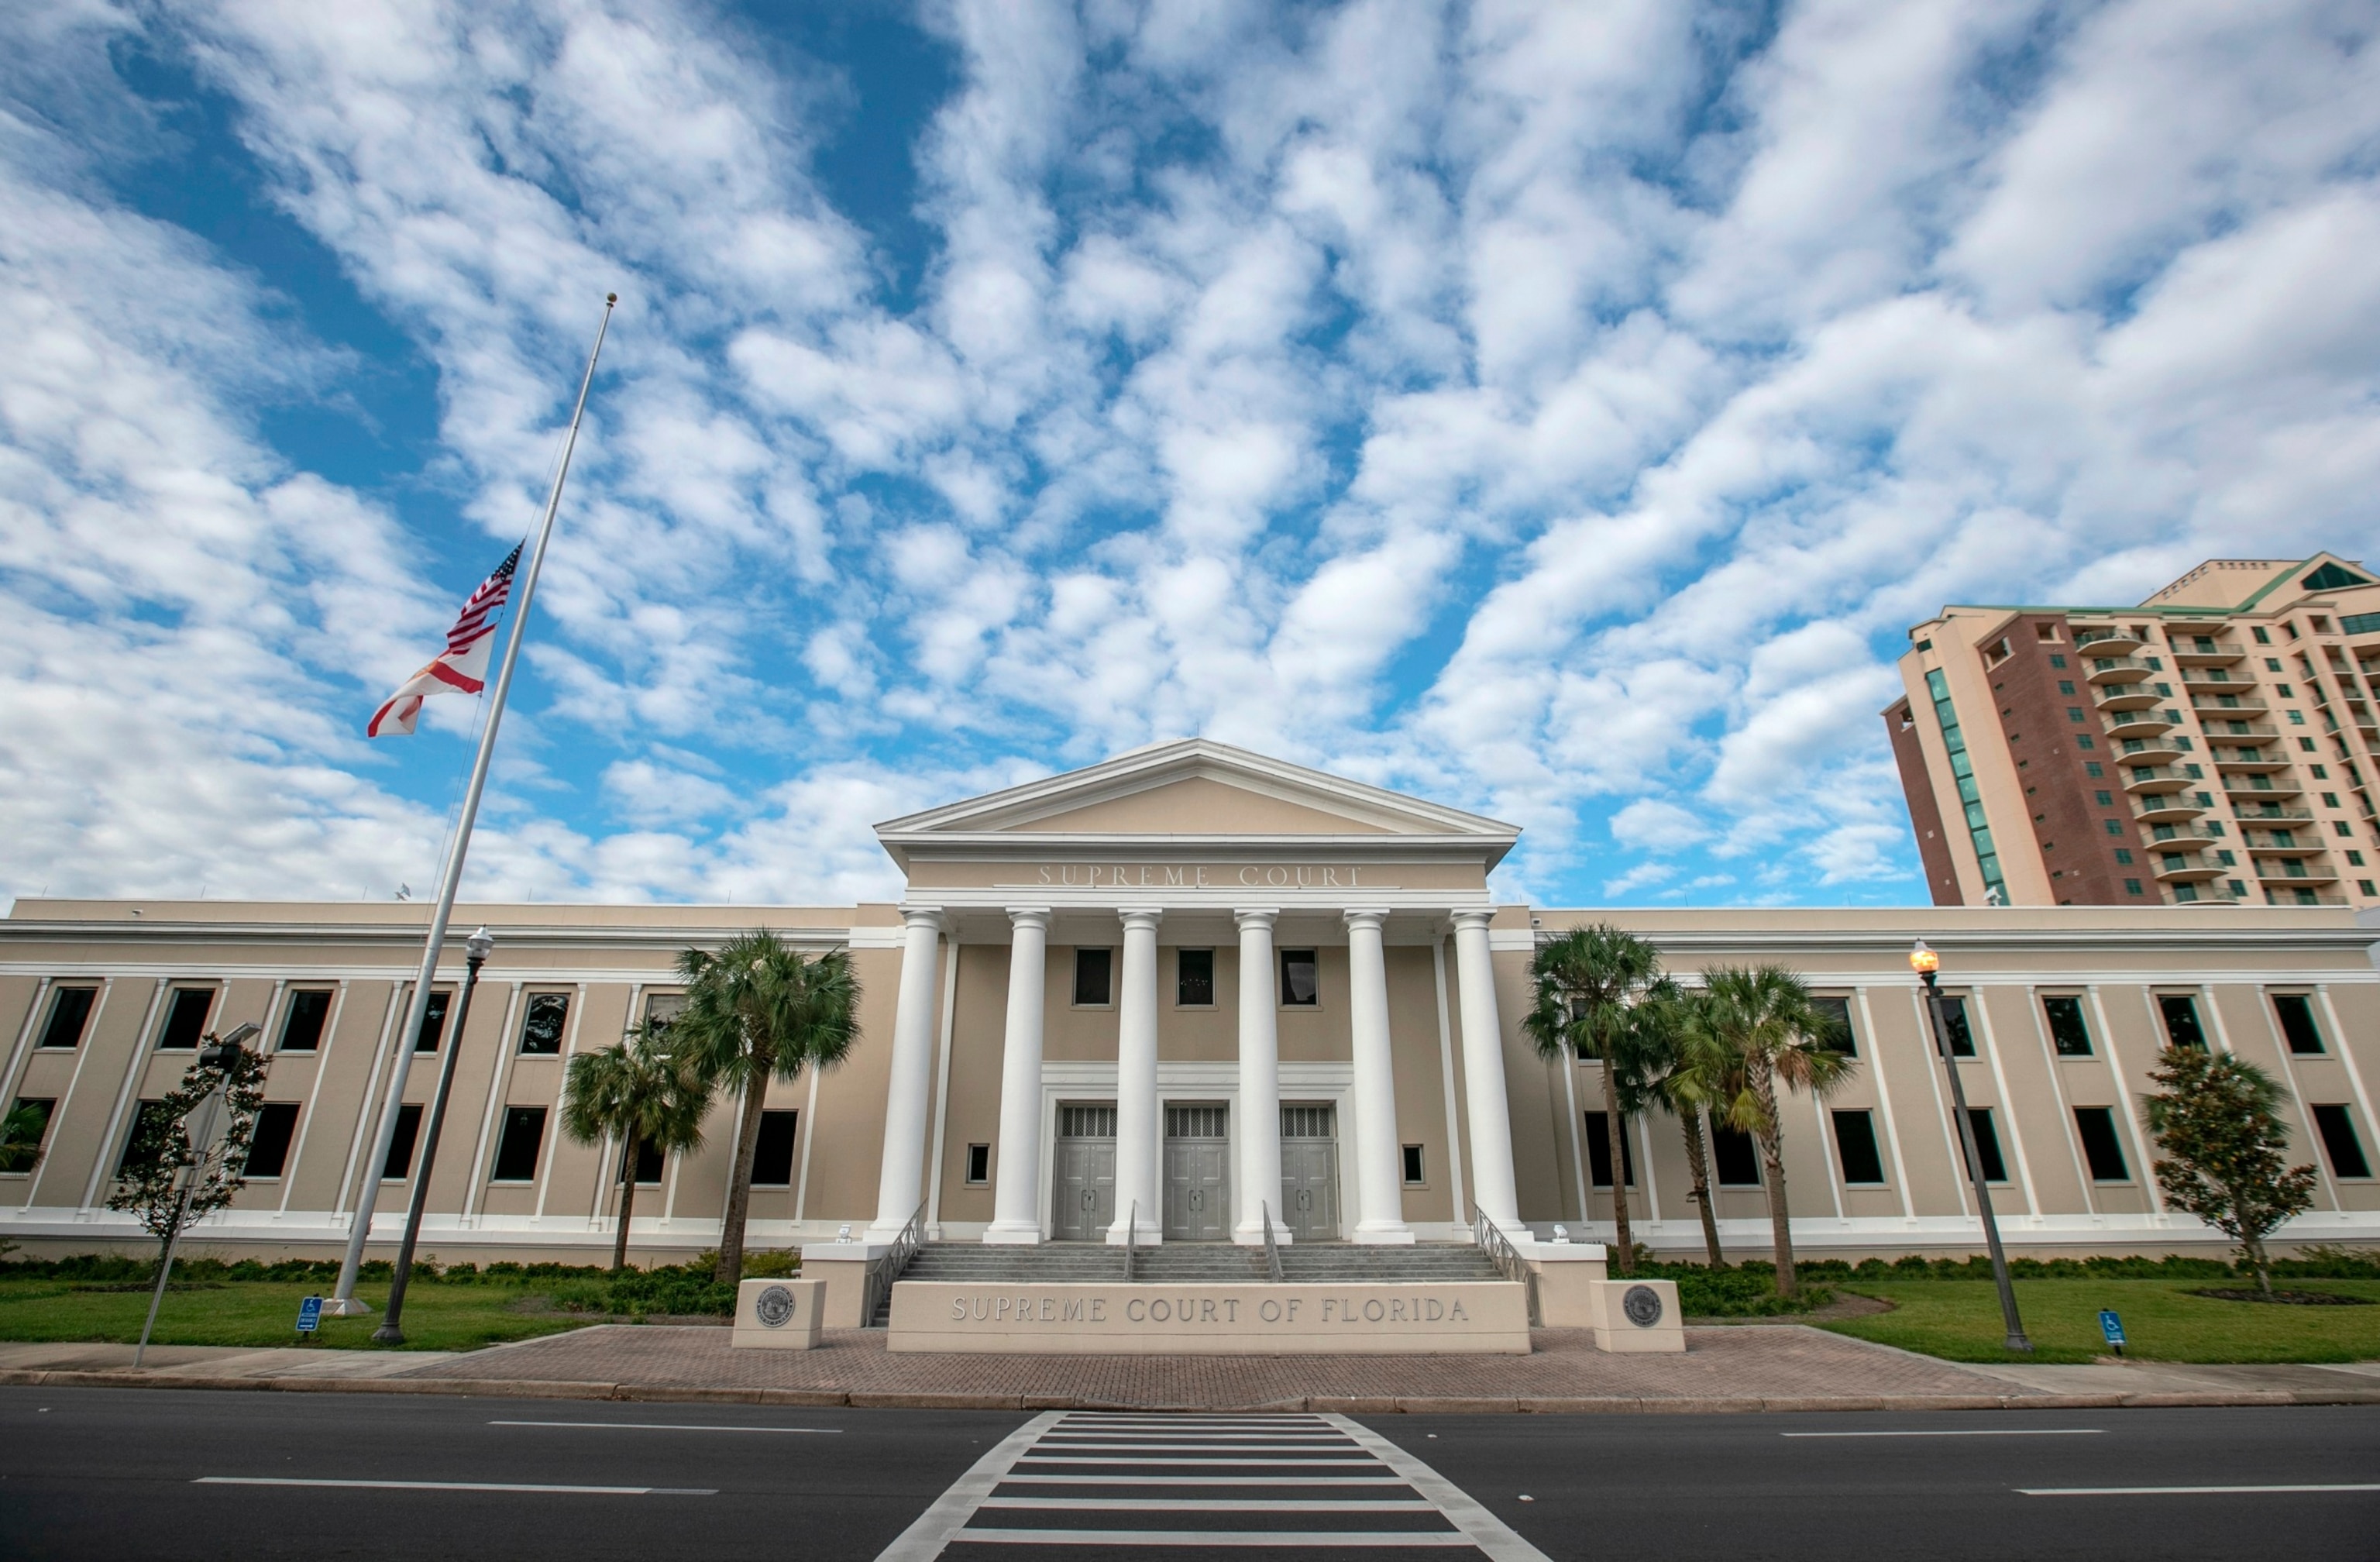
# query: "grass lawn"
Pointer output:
{"type": "Point", "coordinates": [1961, 1320]}
{"type": "Point", "coordinates": [260, 1312]}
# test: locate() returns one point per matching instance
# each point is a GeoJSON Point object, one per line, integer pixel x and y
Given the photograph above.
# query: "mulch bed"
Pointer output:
{"type": "Point", "coordinates": [2292, 1298]}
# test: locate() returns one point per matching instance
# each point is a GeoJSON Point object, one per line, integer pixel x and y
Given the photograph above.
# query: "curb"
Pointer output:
{"type": "Point", "coordinates": [528, 1389]}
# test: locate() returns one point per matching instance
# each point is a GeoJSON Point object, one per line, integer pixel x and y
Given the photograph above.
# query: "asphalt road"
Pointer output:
{"type": "Point", "coordinates": [126, 1473]}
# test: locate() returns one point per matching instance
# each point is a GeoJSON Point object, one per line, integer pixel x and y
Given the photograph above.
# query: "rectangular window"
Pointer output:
{"type": "Point", "coordinates": [2132, 887]}
{"type": "Point", "coordinates": [69, 1012]}
{"type": "Point", "coordinates": [1414, 1167]}
{"type": "Point", "coordinates": [21, 1137]}
{"type": "Point", "coordinates": [2107, 800]}
{"type": "Point", "coordinates": [2180, 1013]}
{"type": "Point", "coordinates": [2101, 1148]}
{"type": "Point", "coordinates": [1837, 1014]}
{"type": "Point", "coordinates": [2296, 1011]}
{"type": "Point", "coordinates": [1734, 1157]}
{"type": "Point", "coordinates": [1954, 1025]}
{"type": "Point", "coordinates": [543, 1024]}
{"type": "Point", "coordinates": [662, 1007]}
{"type": "Point", "coordinates": [2067, 1029]}
{"type": "Point", "coordinates": [399, 1163]}
{"type": "Point", "coordinates": [2065, 686]}
{"type": "Point", "coordinates": [2095, 770]}
{"type": "Point", "coordinates": [652, 1162]}
{"type": "Point", "coordinates": [1598, 1153]}
{"type": "Point", "coordinates": [516, 1146]}
{"type": "Point", "coordinates": [433, 1023]}
{"type": "Point", "coordinates": [1093, 971]}
{"type": "Point", "coordinates": [2055, 661]}
{"type": "Point", "coordinates": [141, 1145]}
{"type": "Point", "coordinates": [2113, 826]}
{"type": "Point", "coordinates": [1987, 1144]}
{"type": "Point", "coordinates": [2337, 1125]}
{"type": "Point", "coordinates": [772, 1154]}
{"type": "Point", "coordinates": [2074, 714]}
{"type": "Point", "coordinates": [2124, 856]}
{"type": "Point", "coordinates": [310, 1010]}
{"type": "Point", "coordinates": [979, 1164]}
{"type": "Point", "coordinates": [1855, 1147]}
{"type": "Point", "coordinates": [267, 1148]}
{"type": "Point", "coordinates": [185, 1018]}
{"type": "Point", "coordinates": [1195, 987]}
{"type": "Point", "coordinates": [1301, 981]}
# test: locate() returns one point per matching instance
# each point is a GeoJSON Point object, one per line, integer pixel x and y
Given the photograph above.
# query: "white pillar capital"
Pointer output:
{"type": "Point", "coordinates": [922, 916]}
{"type": "Point", "coordinates": [1365, 916]}
{"type": "Point", "coordinates": [1141, 917]}
{"type": "Point", "coordinates": [1029, 916]}
{"type": "Point", "coordinates": [1264, 917]}
{"type": "Point", "coordinates": [1466, 920]}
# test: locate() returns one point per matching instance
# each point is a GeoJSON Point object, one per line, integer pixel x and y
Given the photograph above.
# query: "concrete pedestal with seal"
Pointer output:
{"type": "Point", "coordinates": [779, 1314]}
{"type": "Point", "coordinates": [1636, 1315]}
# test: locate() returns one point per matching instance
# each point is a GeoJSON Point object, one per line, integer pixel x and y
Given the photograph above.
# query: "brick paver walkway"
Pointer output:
{"type": "Point", "coordinates": [1723, 1368]}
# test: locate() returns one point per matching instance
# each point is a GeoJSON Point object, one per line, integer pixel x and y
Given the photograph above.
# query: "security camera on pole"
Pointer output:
{"type": "Point", "coordinates": [459, 668]}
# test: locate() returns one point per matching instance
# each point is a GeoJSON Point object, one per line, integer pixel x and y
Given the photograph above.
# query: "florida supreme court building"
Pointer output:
{"type": "Point", "coordinates": [1185, 992]}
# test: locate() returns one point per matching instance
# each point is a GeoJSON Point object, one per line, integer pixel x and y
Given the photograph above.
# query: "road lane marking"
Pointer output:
{"type": "Point", "coordinates": [461, 1486]}
{"type": "Point", "coordinates": [1200, 1538]}
{"type": "Point", "coordinates": [1329, 1463]}
{"type": "Point", "coordinates": [1014, 1479]}
{"type": "Point", "coordinates": [925, 1539]}
{"type": "Point", "coordinates": [2177, 1491]}
{"type": "Point", "coordinates": [670, 1426]}
{"type": "Point", "coordinates": [1488, 1532]}
{"type": "Point", "coordinates": [1213, 1505]}
{"type": "Point", "coordinates": [1975, 1432]}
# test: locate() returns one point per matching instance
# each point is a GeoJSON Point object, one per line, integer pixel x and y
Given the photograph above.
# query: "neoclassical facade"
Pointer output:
{"type": "Point", "coordinates": [1183, 995]}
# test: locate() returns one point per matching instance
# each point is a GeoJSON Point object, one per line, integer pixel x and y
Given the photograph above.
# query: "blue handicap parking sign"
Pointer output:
{"type": "Point", "coordinates": [309, 1315]}
{"type": "Point", "coordinates": [2111, 1325]}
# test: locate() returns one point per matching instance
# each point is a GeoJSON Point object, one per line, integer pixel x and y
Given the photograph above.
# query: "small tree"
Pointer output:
{"type": "Point", "coordinates": [759, 1010]}
{"type": "Point", "coordinates": [1584, 981]}
{"type": "Point", "coordinates": [161, 1162]}
{"type": "Point", "coordinates": [2218, 1119]}
{"type": "Point", "coordinates": [639, 1091]}
{"type": "Point", "coordinates": [1695, 1077]}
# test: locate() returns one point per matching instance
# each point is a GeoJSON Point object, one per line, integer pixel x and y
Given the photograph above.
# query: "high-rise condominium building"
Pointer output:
{"type": "Point", "coordinates": [2216, 744]}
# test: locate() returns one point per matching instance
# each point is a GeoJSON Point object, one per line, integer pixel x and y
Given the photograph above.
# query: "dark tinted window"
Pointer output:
{"type": "Point", "coordinates": [400, 1149]}
{"type": "Point", "coordinates": [310, 1010]}
{"type": "Point", "coordinates": [541, 1027]}
{"type": "Point", "coordinates": [1197, 987]}
{"type": "Point", "coordinates": [1835, 1014]}
{"type": "Point", "coordinates": [1301, 982]}
{"type": "Point", "coordinates": [434, 1024]}
{"type": "Point", "coordinates": [2296, 1011]}
{"type": "Point", "coordinates": [517, 1150]}
{"type": "Point", "coordinates": [978, 1162]}
{"type": "Point", "coordinates": [185, 1018]}
{"type": "Point", "coordinates": [1414, 1167]}
{"type": "Point", "coordinates": [1987, 1144]}
{"type": "Point", "coordinates": [1735, 1159]}
{"type": "Point", "coordinates": [2067, 1029]}
{"type": "Point", "coordinates": [2096, 1124]}
{"type": "Point", "coordinates": [651, 1161]}
{"type": "Point", "coordinates": [1954, 1025]}
{"type": "Point", "coordinates": [1599, 1152]}
{"type": "Point", "coordinates": [2180, 1011]}
{"type": "Point", "coordinates": [268, 1150]}
{"type": "Point", "coordinates": [69, 1012]}
{"type": "Point", "coordinates": [1091, 972]}
{"type": "Point", "coordinates": [22, 1132]}
{"type": "Point", "coordinates": [2337, 1125]}
{"type": "Point", "coordinates": [1855, 1147]}
{"type": "Point", "coordinates": [773, 1157]}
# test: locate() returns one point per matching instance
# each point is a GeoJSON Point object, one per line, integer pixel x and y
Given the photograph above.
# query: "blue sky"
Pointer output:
{"type": "Point", "coordinates": [1558, 410]}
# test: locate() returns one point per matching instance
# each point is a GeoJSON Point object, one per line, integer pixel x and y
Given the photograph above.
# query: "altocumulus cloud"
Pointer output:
{"type": "Point", "coordinates": [1559, 409]}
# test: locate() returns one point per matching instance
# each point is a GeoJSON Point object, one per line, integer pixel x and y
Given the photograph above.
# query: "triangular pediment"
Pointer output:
{"type": "Point", "coordinates": [1195, 789]}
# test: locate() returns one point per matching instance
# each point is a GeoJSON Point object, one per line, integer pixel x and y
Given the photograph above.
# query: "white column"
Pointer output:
{"type": "Point", "coordinates": [1016, 1197]}
{"type": "Point", "coordinates": [900, 1182]}
{"type": "Point", "coordinates": [1138, 1137]}
{"type": "Point", "coordinates": [1259, 1130]}
{"type": "Point", "coordinates": [1482, 1074]}
{"type": "Point", "coordinates": [1379, 1179]}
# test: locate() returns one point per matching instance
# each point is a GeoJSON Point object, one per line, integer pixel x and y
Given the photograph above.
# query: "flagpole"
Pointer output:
{"type": "Point", "coordinates": [344, 1302]}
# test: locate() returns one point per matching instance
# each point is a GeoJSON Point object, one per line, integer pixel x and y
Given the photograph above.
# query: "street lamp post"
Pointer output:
{"type": "Point", "coordinates": [202, 1121]}
{"type": "Point", "coordinates": [1926, 964]}
{"type": "Point", "coordinates": [476, 950]}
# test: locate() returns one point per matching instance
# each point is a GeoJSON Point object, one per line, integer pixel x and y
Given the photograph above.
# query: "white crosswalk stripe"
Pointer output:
{"type": "Point", "coordinates": [1303, 1483]}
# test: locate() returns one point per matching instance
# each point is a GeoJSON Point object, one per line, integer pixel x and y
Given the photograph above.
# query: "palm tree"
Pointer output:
{"type": "Point", "coordinates": [1584, 981]}
{"type": "Point", "coordinates": [641, 1091]}
{"type": "Point", "coordinates": [759, 1010]}
{"type": "Point", "coordinates": [1687, 1074]}
{"type": "Point", "coordinates": [1763, 1024]}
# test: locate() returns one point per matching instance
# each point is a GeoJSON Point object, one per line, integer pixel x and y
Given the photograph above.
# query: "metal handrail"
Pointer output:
{"type": "Point", "coordinates": [1506, 1258]}
{"type": "Point", "coordinates": [1272, 1249]}
{"type": "Point", "coordinates": [1131, 1238]}
{"type": "Point", "coordinates": [886, 1270]}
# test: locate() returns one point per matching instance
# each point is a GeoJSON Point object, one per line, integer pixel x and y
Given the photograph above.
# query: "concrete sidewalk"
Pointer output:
{"type": "Point", "coordinates": [1789, 1368]}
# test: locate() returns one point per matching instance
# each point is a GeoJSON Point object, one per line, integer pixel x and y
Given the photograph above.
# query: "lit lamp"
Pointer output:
{"type": "Point", "coordinates": [1927, 965]}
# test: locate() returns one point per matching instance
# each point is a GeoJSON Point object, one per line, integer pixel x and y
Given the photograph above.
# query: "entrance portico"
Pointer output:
{"type": "Point", "coordinates": [1145, 900]}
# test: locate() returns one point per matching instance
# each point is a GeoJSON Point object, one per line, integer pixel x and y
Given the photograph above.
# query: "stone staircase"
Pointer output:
{"type": "Point", "coordinates": [1192, 1264]}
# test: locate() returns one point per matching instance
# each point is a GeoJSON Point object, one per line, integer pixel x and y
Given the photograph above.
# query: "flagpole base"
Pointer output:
{"type": "Point", "coordinates": [347, 1307]}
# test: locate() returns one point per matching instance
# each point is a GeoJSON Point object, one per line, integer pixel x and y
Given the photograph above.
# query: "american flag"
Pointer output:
{"type": "Point", "coordinates": [462, 667]}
